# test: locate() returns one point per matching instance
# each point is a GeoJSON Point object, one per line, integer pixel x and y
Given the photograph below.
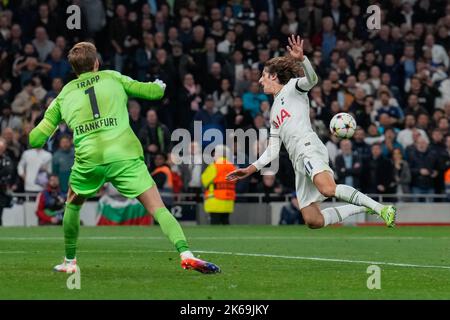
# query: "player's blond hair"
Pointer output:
{"type": "Point", "coordinates": [284, 67]}
{"type": "Point", "coordinates": [82, 57]}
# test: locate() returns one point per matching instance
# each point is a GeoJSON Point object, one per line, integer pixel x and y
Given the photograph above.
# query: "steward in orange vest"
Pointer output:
{"type": "Point", "coordinates": [163, 178]}
{"type": "Point", "coordinates": [219, 193]}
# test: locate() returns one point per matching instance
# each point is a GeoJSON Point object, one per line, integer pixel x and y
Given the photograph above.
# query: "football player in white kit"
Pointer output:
{"type": "Point", "coordinates": [290, 124]}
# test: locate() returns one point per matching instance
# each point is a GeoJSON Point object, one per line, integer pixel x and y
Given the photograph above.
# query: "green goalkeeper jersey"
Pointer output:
{"type": "Point", "coordinates": [94, 106]}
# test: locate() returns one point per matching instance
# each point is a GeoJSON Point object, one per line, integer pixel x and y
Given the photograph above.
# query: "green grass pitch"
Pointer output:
{"type": "Point", "coordinates": [258, 262]}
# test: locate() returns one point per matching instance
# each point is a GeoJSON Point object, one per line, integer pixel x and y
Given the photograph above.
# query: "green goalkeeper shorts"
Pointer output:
{"type": "Point", "coordinates": [130, 177]}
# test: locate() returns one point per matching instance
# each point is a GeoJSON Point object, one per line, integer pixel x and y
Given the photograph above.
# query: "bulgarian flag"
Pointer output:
{"type": "Point", "coordinates": [122, 211]}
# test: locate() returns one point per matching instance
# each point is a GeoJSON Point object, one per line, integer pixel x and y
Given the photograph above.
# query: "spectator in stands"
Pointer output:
{"type": "Point", "coordinates": [317, 125]}
{"type": "Point", "coordinates": [198, 42]}
{"type": "Point", "coordinates": [402, 173]}
{"type": "Point", "coordinates": [425, 93]}
{"type": "Point", "coordinates": [438, 148]}
{"type": "Point", "coordinates": [446, 161]}
{"type": "Point", "coordinates": [136, 120]}
{"type": "Point", "coordinates": [326, 39]}
{"type": "Point", "coordinates": [423, 121]}
{"type": "Point", "coordinates": [7, 169]}
{"type": "Point", "coordinates": [423, 168]}
{"type": "Point", "coordinates": [379, 173]}
{"type": "Point", "coordinates": [394, 112]}
{"type": "Point", "coordinates": [235, 68]}
{"type": "Point", "coordinates": [209, 118]}
{"type": "Point", "coordinates": [252, 99]}
{"type": "Point", "coordinates": [237, 117]}
{"type": "Point", "coordinates": [413, 106]}
{"type": "Point", "coordinates": [270, 187]}
{"type": "Point", "coordinates": [390, 143]}
{"type": "Point", "coordinates": [58, 65]}
{"type": "Point", "coordinates": [247, 15]}
{"type": "Point", "coordinates": [443, 126]}
{"type": "Point", "coordinates": [213, 80]}
{"type": "Point", "coordinates": [50, 203]}
{"type": "Point", "coordinates": [290, 213]}
{"type": "Point", "coordinates": [154, 137]}
{"type": "Point", "coordinates": [191, 169]}
{"type": "Point", "coordinates": [25, 99]}
{"type": "Point", "coordinates": [143, 56]}
{"type": "Point", "coordinates": [438, 53]}
{"type": "Point", "coordinates": [318, 103]}
{"type": "Point", "coordinates": [228, 45]}
{"type": "Point", "coordinates": [223, 97]}
{"type": "Point", "coordinates": [34, 167]}
{"type": "Point", "coordinates": [8, 120]}
{"type": "Point", "coordinates": [405, 136]}
{"type": "Point", "coordinates": [348, 165]}
{"type": "Point", "coordinates": [188, 102]}
{"type": "Point", "coordinates": [205, 59]}
{"type": "Point", "coordinates": [310, 17]}
{"type": "Point", "coordinates": [62, 162]}
{"type": "Point", "coordinates": [163, 178]}
{"type": "Point", "coordinates": [57, 85]}
{"type": "Point", "coordinates": [42, 44]}
{"type": "Point", "coordinates": [220, 193]}
{"type": "Point", "coordinates": [408, 61]}
{"type": "Point", "coordinates": [358, 145]}
{"type": "Point", "coordinates": [118, 34]}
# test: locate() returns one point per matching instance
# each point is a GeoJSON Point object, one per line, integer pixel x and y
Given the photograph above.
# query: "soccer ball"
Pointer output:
{"type": "Point", "coordinates": [343, 125]}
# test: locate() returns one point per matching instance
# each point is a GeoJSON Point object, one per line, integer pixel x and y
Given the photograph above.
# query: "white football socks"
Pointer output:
{"type": "Point", "coordinates": [338, 214]}
{"type": "Point", "coordinates": [351, 195]}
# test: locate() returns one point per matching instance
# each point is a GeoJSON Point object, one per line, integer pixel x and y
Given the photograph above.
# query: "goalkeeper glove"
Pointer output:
{"type": "Point", "coordinates": [160, 83]}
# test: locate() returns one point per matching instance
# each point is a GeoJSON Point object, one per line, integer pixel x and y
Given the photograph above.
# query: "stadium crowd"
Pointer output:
{"type": "Point", "coordinates": [394, 80]}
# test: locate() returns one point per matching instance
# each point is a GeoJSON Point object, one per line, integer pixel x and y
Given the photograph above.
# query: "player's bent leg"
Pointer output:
{"type": "Point", "coordinates": [312, 216]}
{"type": "Point", "coordinates": [152, 201]}
{"type": "Point", "coordinates": [324, 182]}
{"type": "Point", "coordinates": [316, 218]}
{"type": "Point", "coordinates": [71, 226]}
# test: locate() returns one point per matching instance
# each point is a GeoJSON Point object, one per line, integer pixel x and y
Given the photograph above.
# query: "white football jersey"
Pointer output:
{"type": "Point", "coordinates": [289, 118]}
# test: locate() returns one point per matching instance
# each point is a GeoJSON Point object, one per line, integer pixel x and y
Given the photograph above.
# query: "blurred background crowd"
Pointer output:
{"type": "Point", "coordinates": [210, 54]}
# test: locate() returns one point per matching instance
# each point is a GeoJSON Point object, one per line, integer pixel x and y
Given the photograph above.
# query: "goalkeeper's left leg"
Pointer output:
{"type": "Point", "coordinates": [71, 226]}
{"type": "Point", "coordinates": [152, 201]}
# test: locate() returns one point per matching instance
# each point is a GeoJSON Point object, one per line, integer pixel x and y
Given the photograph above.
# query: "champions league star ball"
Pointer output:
{"type": "Point", "coordinates": [343, 125]}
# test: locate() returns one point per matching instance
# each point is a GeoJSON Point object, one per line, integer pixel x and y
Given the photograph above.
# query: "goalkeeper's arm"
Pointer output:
{"type": "Point", "coordinates": [45, 129]}
{"type": "Point", "coordinates": [144, 90]}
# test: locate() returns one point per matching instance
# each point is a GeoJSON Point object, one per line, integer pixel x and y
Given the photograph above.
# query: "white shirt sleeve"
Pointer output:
{"type": "Point", "coordinates": [310, 79]}
{"type": "Point", "coordinates": [22, 164]}
{"type": "Point", "coordinates": [271, 152]}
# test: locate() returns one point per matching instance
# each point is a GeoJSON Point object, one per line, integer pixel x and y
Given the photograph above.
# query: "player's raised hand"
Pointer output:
{"type": "Point", "coordinates": [240, 174]}
{"type": "Point", "coordinates": [295, 47]}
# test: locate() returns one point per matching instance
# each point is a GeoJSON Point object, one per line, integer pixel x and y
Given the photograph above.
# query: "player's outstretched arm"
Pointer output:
{"type": "Point", "coordinates": [295, 50]}
{"type": "Point", "coordinates": [270, 154]}
{"type": "Point", "coordinates": [144, 90]}
{"type": "Point", "coordinates": [44, 130]}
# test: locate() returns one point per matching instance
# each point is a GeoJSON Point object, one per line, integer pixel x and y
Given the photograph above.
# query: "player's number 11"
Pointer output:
{"type": "Point", "coordinates": [93, 100]}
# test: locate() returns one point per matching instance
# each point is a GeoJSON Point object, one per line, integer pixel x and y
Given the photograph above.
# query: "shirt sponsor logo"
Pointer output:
{"type": "Point", "coordinates": [278, 121]}
{"type": "Point", "coordinates": [95, 125]}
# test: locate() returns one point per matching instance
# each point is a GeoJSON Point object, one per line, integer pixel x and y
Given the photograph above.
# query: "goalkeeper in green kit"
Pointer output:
{"type": "Point", "coordinates": [94, 106]}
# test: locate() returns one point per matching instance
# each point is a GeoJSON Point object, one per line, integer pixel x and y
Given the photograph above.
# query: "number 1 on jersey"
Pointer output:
{"type": "Point", "coordinates": [93, 100]}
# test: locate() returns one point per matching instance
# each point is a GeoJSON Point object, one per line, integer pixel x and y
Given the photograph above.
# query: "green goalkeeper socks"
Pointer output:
{"type": "Point", "coordinates": [171, 228]}
{"type": "Point", "coordinates": [71, 224]}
